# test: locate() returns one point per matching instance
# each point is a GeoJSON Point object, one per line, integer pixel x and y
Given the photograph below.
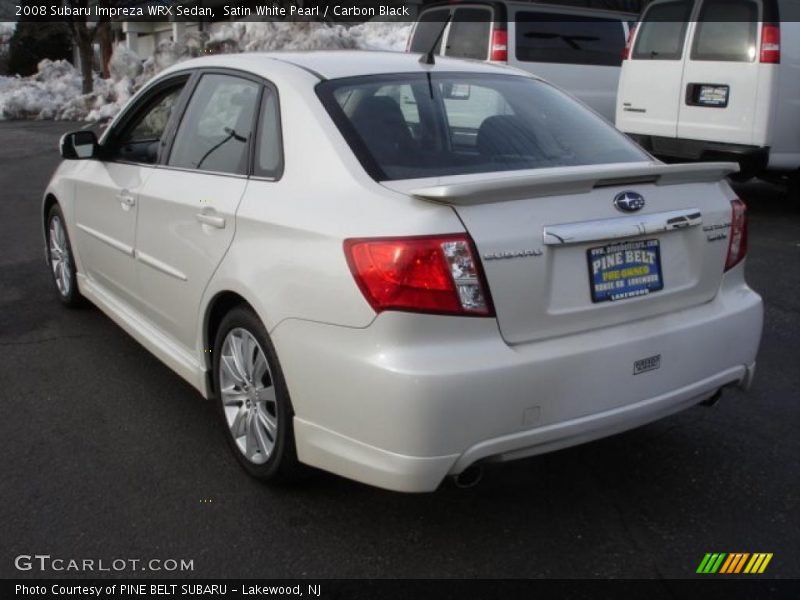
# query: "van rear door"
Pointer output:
{"type": "Point", "coordinates": [580, 51]}
{"type": "Point", "coordinates": [724, 79]}
{"type": "Point", "coordinates": [649, 95]}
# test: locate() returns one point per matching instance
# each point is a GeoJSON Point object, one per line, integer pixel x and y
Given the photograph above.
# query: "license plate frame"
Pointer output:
{"type": "Point", "coordinates": [625, 270]}
{"type": "Point", "coordinates": [712, 95]}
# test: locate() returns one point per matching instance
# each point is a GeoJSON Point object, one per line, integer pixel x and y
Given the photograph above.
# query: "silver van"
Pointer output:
{"type": "Point", "coordinates": [578, 49]}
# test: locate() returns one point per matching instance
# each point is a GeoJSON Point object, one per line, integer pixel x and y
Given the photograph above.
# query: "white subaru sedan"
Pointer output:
{"type": "Point", "coordinates": [398, 271]}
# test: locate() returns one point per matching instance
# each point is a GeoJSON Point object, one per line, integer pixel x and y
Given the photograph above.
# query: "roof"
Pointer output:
{"type": "Point", "coordinates": [335, 64]}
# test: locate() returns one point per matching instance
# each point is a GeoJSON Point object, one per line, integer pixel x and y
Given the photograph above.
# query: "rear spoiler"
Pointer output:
{"type": "Point", "coordinates": [562, 181]}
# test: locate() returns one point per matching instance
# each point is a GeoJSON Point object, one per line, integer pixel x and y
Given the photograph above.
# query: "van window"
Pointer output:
{"type": "Point", "coordinates": [726, 30]}
{"type": "Point", "coordinates": [663, 31]}
{"type": "Point", "coordinates": [469, 33]}
{"type": "Point", "coordinates": [428, 27]}
{"type": "Point", "coordinates": [556, 38]}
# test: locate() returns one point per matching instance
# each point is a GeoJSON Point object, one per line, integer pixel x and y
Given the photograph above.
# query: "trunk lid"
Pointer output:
{"type": "Point", "coordinates": [554, 246]}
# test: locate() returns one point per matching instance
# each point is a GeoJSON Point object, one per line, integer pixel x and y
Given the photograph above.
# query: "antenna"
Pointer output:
{"type": "Point", "coordinates": [428, 57]}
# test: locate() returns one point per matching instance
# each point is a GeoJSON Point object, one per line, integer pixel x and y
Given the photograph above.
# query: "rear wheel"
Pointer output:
{"type": "Point", "coordinates": [793, 188]}
{"type": "Point", "coordinates": [252, 398]}
{"type": "Point", "coordinates": [60, 258]}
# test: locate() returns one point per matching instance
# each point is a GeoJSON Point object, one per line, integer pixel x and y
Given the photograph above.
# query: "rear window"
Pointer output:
{"type": "Point", "coordinates": [662, 32]}
{"type": "Point", "coordinates": [428, 27]}
{"type": "Point", "coordinates": [726, 31]}
{"type": "Point", "coordinates": [469, 33]}
{"type": "Point", "coordinates": [407, 126]}
{"type": "Point", "coordinates": [556, 38]}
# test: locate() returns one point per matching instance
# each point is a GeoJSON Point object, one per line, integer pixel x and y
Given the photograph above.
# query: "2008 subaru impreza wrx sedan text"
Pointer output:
{"type": "Point", "coordinates": [395, 271]}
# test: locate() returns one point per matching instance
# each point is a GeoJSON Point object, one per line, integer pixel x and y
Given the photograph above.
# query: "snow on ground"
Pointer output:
{"type": "Point", "coordinates": [55, 91]}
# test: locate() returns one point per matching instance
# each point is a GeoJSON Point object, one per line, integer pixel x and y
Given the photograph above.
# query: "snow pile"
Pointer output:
{"type": "Point", "coordinates": [55, 91]}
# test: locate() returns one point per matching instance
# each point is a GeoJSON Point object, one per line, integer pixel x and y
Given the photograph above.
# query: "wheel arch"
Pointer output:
{"type": "Point", "coordinates": [220, 304]}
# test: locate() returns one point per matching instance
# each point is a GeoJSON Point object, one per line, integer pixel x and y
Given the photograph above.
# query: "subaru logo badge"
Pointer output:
{"type": "Point", "coordinates": [629, 201]}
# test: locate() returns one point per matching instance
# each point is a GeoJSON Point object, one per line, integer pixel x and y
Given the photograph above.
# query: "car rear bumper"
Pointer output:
{"type": "Point", "coordinates": [412, 398]}
{"type": "Point", "coordinates": [752, 159]}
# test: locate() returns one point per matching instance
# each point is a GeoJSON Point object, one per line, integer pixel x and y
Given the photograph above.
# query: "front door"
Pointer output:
{"type": "Point", "coordinates": [107, 193]}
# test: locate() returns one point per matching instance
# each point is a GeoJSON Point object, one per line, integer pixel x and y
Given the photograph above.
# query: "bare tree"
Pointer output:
{"type": "Point", "coordinates": [84, 32]}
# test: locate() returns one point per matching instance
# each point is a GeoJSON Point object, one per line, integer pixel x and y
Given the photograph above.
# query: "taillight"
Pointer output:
{"type": "Point", "coordinates": [771, 43]}
{"type": "Point", "coordinates": [433, 274]}
{"type": "Point", "coordinates": [499, 46]}
{"type": "Point", "coordinates": [626, 51]}
{"type": "Point", "coordinates": [737, 247]}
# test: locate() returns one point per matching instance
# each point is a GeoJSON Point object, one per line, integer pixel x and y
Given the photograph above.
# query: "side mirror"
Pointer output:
{"type": "Point", "coordinates": [78, 145]}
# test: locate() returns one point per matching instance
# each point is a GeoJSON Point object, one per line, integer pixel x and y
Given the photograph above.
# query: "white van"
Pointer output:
{"type": "Point", "coordinates": [716, 80]}
{"type": "Point", "coordinates": [578, 49]}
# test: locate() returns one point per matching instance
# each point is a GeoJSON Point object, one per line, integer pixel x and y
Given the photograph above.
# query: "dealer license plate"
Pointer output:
{"type": "Point", "coordinates": [713, 95]}
{"type": "Point", "coordinates": [625, 270]}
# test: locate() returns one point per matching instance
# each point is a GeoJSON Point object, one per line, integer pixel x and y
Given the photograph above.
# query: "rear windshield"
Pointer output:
{"type": "Point", "coordinates": [408, 126]}
{"type": "Point", "coordinates": [469, 33]}
{"type": "Point", "coordinates": [662, 32]}
{"type": "Point", "coordinates": [556, 38]}
{"type": "Point", "coordinates": [726, 31]}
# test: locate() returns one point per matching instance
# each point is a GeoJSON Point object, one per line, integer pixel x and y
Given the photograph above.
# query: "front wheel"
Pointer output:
{"type": "Point", "coordinates": [252, 398]}
{"type": "Point", "coordinates": [60, 259]}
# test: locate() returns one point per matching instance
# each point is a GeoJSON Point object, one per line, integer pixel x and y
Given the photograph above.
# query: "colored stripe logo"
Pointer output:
{"type": "Point", "coordinates": [734, 563]}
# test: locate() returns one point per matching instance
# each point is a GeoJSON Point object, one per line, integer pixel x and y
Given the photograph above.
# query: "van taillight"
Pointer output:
{"type": "Point", "coordinates": [499, 45]}
{"type": "Point", "coordinates": [626, 51]}
{"type": "Point", "coordinates": [737, 247]}
{"type": "Point", "coordinates": [430, 274]}
{"type": "Point", "coordinates": [771, 43]}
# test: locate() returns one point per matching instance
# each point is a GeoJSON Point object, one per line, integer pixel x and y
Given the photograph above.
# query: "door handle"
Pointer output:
{"type": "Point", "coordinates": [126, 199]}
{"type": "Point", "coordinates": [211, 220]}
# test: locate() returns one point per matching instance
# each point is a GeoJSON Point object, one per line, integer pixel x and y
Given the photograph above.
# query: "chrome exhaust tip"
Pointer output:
{"type": "Point", "coordinates": [469, 477]}
{"type": "Point", "coordinates": [712, 401]}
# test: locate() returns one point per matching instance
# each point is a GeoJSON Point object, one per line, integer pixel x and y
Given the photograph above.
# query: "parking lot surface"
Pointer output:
{"type": "Point", "coordinates": [107, 454]}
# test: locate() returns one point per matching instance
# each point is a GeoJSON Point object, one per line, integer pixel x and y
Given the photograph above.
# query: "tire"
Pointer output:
{"type": "Point", "coordinates": [252, 400]}
{"type": "Point", "coordinates": [793, 188]}
{"type": "Point", "coordinates": [61, 259]}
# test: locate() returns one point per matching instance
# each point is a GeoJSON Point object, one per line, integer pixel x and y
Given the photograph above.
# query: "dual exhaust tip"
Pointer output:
{"type": "Point", "coordinates": [473, 475]}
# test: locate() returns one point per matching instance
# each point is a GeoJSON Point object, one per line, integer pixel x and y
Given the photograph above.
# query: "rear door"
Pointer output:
{"type": "Point", "coordinates": [721, 84]}
{"type": "Point", "coordinates": [187, 208]}
{"type": "Point", "coordinates": [580, 53]}
{"type": "Point", "coordinates": [650, 94]}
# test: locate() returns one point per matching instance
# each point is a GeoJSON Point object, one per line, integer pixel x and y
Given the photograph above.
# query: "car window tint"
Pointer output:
{"type": "Point", "coordinates": [429, 25]}
{"type": "Point", "coordinates": [556, 38]}
{"type": "Point", "coordinates": [215, 131]}
{"type": "Point", "coordinates": [469, 33]}
{"type": "Point", "coordinates": [269, 154]}
{"type": "Point", "coordinates": [726, 30]}
{"type": "Point", "coordinates": [150, 125]}
{"type": "Point", "coordinates": [465, 123]}
{"type": "Point", "coordinates": [662, 32]}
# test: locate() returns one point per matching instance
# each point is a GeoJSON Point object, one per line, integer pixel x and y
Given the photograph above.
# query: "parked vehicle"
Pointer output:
{"type": "Point", "coordinates": [577, 49]}
{"type": "Point", "coordinates": [716, 79]}
{"type": "Point", "coordinates": [395, 271]}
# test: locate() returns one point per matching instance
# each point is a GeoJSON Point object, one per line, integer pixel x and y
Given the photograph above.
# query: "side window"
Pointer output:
{"type": "Point", "coordinates": [662, 31]}
{"type": "Point", "coordinates": [140, 140]}
{"type": "Point", "coordinates": [726, 30]}
{"type": "Point", "coordinates": [215, 130]}
{"type": "Point", "coordinates": [469, 33]}
{"type": "Point", "coordinates": [558, 38]}
{"type": "Point", "coordinates": [428, 27]}
{"type": "Point", "coordinates": [269, 151]}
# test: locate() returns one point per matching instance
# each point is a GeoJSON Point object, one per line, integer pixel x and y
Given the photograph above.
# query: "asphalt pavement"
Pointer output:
{"type": "Point", "coordinates": [106, 454]}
